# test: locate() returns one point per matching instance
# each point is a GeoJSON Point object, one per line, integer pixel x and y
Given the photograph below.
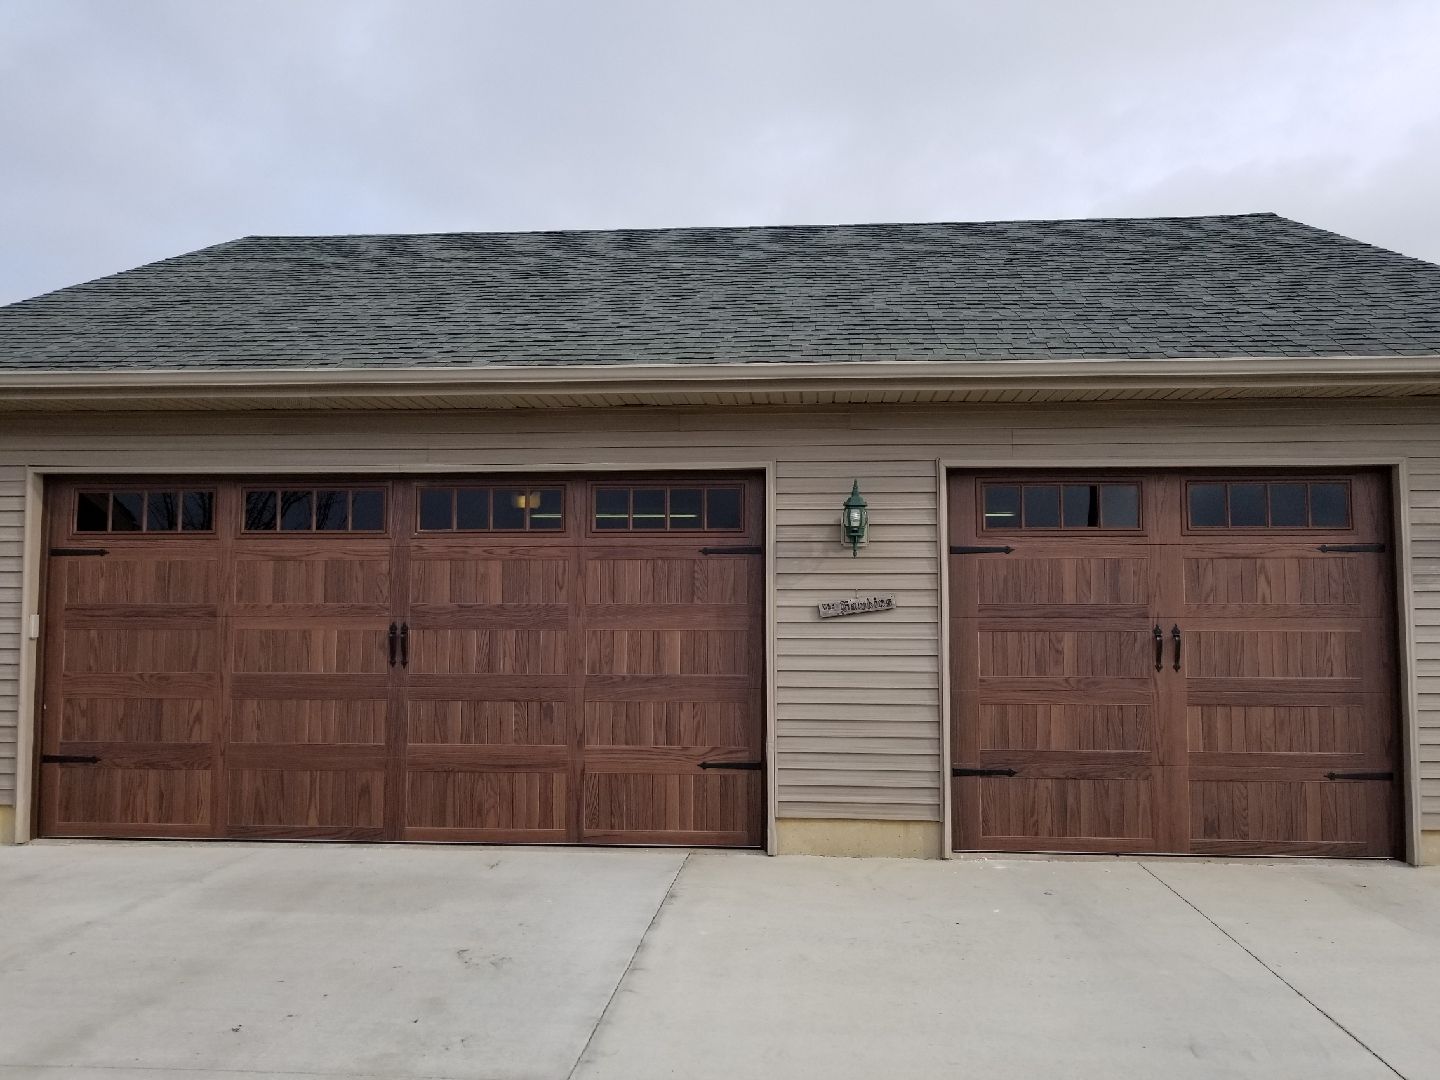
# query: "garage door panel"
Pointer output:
{"type": "Point", "coordinates": [668, 652]}
{"type": "Point", "coordinates": [1069, 726]}
{"type": "Point", "coordinates": [668, 580]}
{"type": "Point", "coordinates": [488, 652]}
{"type": "Point", "coordinates": [1068, 810]}
{"type": "Point", "coordinates": [1292, 582]}
{"type": "Point", "coordinates": [136, 583]}
{"type": "Point", "coordinates": [334, 582]}
{"type": "Point", "coordinates": [126, 648]}
{"type": "Point", "coordinates": [1291, 816]}
{"type": "Point", "coordinates": [318, 720]}
{"type": "Point", "coordinates": [295, 649]}
{"type": "Point", "coordinates": [509, 581]}
{"type": "Point", "coordinates": [524, 805]}
{"type": "Point", "coordinates": [1334, 655]}
{"type": "Point", "coordinates": [145, 801]}
{"type": "Point", "coordinates": [718, 721]}
{"type": "Point", "coordinates": [696, 807]}
{"type": "Point", "coordinates": [1067, 585]}
{"type": "Point", "coordinates": [1291, 726]}
{"type": "Point", "coordinates": [1076, 653]}
{"type": "Point", "coordinates": [317, 798]}
{"type": "Point", "coordinates": [133, 719]}
{"type": "Point", "coordinates": [493, 722]}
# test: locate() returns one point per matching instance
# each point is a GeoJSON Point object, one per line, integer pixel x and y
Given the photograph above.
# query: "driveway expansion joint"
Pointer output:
{"type": "Point", "coordinates": [1281, 978]}
{"type": "Point", "coordinates": [640, 944]}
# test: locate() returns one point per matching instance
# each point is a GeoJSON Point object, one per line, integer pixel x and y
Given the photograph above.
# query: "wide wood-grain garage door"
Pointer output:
{"type": "Point", "coordinates": [1173, 662]}
{"type": "Point", "coordinates": [530, 660]}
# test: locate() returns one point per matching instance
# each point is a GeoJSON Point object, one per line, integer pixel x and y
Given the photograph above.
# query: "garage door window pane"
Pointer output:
{"type": "Point", "coordinates": [127, 511]}
{"type": "Point", "coordinates": [1287, 506]}
{"type": "Point", "coordinates": [161, 511]}
{"type": "Point", "coordinates": [547, 509]}
{"type": "Point", "coordinates": [508, 509]}
{"type": "Point", "coordinates": [198, 511]}
{"type": "Point", "coordinates": [367, 511]}
{"type": "Point", "coordinates": [1207, 506]}
{"type": "Point", "coordinates": [686, 507]}
{"type": "Point", "coordinates": [1042, 506]}
{"type": "Point", "coordinates": [647, 508]}
{"type": "Point", "coordinates": [1002, 506]}
{"type": "Point", "coordinates": [1247, 506]}
{"type": "Point", "coordinates": [1120, 506]}
{"type": "Point", "coordinates": [437, 508]}
{"type": "Point", "coordinates": [722, 508]}
{"type": "Point", "coordinates": [612, 508]}
{"type": "Point", "coordinates": [1330, 506]}
{"type": "Point", "coordinates": [1081, 506]}
{"type": "Point", "coordinates": [259, 510]}
{"type": "Point", "coordinates": [472, 508]}
{"type": "Point", "coordinates": [92, 511]}
{"type": "Point", "coordinates": [296, 511]}
{"type": "Point", "coordinates": [332, 511]}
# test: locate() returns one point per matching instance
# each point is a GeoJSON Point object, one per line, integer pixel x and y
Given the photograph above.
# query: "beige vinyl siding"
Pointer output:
{"type": "Point", "coordinates": [12, 523]}
{"type": "Point", "coordinates": [858, 725]}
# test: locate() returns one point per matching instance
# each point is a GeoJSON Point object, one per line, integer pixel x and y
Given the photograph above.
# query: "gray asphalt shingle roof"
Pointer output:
{"type": "Point", "coordinates": [1241, 285]}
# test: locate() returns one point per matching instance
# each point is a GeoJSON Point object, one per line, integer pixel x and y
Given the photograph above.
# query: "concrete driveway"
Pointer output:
{"type": "Point", "coordinates": [129, 961]}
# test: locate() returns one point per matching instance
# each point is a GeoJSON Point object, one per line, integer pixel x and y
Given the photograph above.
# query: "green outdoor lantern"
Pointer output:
{"type": "Point", "coordinates": [855, 520]}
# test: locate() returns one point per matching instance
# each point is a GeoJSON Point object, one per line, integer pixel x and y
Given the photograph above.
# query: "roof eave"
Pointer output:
{"type": "Point", "coordinates": [658, 382]}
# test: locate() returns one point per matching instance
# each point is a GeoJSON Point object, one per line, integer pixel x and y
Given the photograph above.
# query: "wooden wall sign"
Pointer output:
{"type": "Point", "coordinates": [834, 608]}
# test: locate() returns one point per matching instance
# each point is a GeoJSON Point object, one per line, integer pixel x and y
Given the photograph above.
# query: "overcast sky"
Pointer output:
{"type": "Point", "coordinates": [131, 130]}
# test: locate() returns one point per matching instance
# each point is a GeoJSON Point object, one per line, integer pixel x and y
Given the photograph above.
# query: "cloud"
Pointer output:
{"type": "Point", "coordinates": [139, 130]}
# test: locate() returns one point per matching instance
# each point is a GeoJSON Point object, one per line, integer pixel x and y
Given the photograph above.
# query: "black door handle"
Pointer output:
{"type": "Point", "coordinates": [1159, 647]}
{"type": "Point", "coordinates": [405, 644]}
{"type": "Point", "coordinates": [1175, 635]}
{"type": "Point", "coordinates": [394, 640]}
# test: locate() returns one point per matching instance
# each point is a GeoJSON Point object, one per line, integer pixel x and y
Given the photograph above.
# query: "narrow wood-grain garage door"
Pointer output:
{"type": "Point", "coordinates": [1174, 662]}
{"type": "Point", "coordinates": [527, 660]}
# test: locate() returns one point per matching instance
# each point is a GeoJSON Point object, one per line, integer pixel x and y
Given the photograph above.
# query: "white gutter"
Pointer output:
{"type": "Point", "coordinates": [606, 379]}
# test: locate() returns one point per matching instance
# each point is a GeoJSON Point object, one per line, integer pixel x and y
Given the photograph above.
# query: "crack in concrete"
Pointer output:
{"type": "Point", "coordinates": [626, 973]}
{"type": "Point", "coordinates": [1281, 978]}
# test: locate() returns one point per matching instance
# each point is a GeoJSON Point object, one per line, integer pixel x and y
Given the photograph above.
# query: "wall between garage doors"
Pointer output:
{"type": "Point", "coordinates": [857, 701]}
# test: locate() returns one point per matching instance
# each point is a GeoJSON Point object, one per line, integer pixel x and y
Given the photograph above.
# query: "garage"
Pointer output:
{"type": "Point", "coordinates": [1183, 661]}
{"type": "Point", "coordinates": [527, 659]}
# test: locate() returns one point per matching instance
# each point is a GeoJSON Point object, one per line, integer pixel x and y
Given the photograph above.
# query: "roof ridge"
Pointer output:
{"type": "Point", "coordinates": [793, 226]}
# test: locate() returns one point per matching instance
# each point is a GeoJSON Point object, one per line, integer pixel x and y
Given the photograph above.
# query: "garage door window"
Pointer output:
{"type": "Point", "coordinates": [491, 509]}
{"type": "Point", "coordinates": [150, 510]}
{"type": "Point", "coordinates": [323, 510]}
{"type": "Point", "coordinates": [1256, 504]}
{"type": "Point", "coordinates": [672, 509]}
{"type": "Point", "coordinates": [1062, 506]}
